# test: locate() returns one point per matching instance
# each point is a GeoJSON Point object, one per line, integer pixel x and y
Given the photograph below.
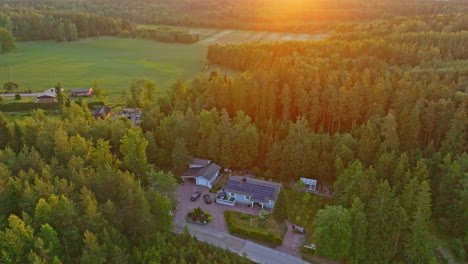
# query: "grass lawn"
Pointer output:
{"type": "Point", "coordinates": [244, 221]}
{"type": "Point", "coordinates": [113, 62]}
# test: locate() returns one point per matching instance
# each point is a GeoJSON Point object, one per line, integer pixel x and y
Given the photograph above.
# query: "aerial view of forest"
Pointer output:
{"type": "Point", "coordinates": [219, 131]}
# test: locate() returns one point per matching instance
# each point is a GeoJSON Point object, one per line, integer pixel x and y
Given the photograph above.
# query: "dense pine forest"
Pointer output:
{"type": "Point", "coordinates": [378, 112]}
{"type": "Point", "coordinates": [66, 197]}
{"type": "Point", "coordinates": [274, 15]}
{"type": "Point", "coordinates": [30, 24]}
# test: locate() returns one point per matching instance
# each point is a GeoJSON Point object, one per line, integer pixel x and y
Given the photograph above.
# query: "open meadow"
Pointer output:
{"type": "Point", "coordinates": [113, 62]}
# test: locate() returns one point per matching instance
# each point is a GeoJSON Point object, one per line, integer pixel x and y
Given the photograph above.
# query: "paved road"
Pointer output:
{"type": "Point", "coordinates": [49, 92]}
{"type": "Point", "coordinates": [254, 251]}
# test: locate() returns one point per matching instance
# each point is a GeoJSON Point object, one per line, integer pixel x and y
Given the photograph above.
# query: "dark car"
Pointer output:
{"type": "Point", "coordinates": [195, 196]}
{"type": "Point", "coordinates": [207, 198]}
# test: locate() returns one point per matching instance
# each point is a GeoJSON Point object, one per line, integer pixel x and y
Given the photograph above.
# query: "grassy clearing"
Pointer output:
{"type": "Point", "coordinates": [231, 36]}
{"type": "Point", "coordinates": [302, 208]}
{"type": "Point", "coordinates": [113, 62]}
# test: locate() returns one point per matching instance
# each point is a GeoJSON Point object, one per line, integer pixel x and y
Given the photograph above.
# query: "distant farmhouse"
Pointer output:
{"type": "Point", "coordinates": [82, 92]}
{"type": "Point", "coordinates": [249, 191]}
{"type": "Point", "coordinates": [204, 172]}
{"type": "Point", "coordinates": [102, 112]}
{"type": "Point", "coordinates": [132, 114]}
{"type": "Point", "coordinates": [46, 99]}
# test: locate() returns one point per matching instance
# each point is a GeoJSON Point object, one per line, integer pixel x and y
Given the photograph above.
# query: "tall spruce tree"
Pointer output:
{"type": "Point", "coordinates": [280, 213]}
{"type": "Point", "coordinates": [5, 133]}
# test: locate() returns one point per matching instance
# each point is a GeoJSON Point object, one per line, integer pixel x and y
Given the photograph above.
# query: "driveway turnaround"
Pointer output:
{"type": "Point", "coordinates": [216, 232]}
{"type": "Point", "coordinates": [255, 252]}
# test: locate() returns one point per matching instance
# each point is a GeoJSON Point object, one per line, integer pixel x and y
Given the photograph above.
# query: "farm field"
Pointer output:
{"type": "Point", "coordinates": [113, 62]}
{"type": "Point", "coordinates": [228, 36]}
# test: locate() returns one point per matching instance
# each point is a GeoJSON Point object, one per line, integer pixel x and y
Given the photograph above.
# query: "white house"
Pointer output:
{"type": "Point", "coordinates": [204, 172]}
{"type": "Point", "coordinates": [249, 191]}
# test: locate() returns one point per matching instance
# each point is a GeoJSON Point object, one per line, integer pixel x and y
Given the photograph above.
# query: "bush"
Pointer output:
{"type": "Point", "coordinates": [308, 250]}
{"type": "Point", "coordinates": [17, 97]}
{"type": "Point", "coordinates": [20, 107]}
{"type": "Point", "coordinates": [198, 215]}
{"type": "Point", "coordinates": [244, 216]}
{"type": "Point", "coordinates": [258, 235]}
{"type": "Point", "coordinates": [10, 86]}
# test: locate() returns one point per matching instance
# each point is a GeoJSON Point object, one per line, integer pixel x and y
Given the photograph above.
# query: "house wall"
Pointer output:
{"type": "Point", "coordinates": [214, 178]}
{"type": "Point", "coordinates": [241, 199]}
{"type": "Point", "coordinates": [203, 181]}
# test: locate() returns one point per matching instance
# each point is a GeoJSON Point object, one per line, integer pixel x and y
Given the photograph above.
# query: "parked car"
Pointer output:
{"type": "Point", "coordinates": [207, 198]}
{"type": "Point", "coordinates": [195, 196]}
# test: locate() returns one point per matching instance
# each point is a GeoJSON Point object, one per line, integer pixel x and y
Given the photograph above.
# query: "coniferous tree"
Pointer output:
{"type": "Point", "coordinates": [358, 251]}
{"type": "Point", "coordinates": [333, 233]}
{"type": "Point", "coordinates": [280, 213]}
{"type": "Point", "coordinates": [5, 133]}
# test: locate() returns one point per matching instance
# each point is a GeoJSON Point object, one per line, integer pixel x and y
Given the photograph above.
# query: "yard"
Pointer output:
{"type": "Point", "coordinates": [253, 222]}
{"type": "Point", "coordinates": [252, 227]}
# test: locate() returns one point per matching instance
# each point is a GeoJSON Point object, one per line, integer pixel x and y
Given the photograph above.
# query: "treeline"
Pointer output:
{"type": "Point", "coordinates": [29, 24]}
{"type": "Point", "coordinates": [66, 197]}
{"type": "Point", "coordinates": [270, 15]}
{"type": "Point", "coordinates": [163, 34]}
{"type": "Point", "coordinates": [383, 121]}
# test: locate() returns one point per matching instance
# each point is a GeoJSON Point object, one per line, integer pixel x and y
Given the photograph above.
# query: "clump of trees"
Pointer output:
{"type": "Point", "coordinates": [30, 24]}
{"type": "Point", "coordinates": [7, 41]}
{"type": "Point", "coordinates": [163, 34]}
{"type": "Point", "coordinates": [10, 86]}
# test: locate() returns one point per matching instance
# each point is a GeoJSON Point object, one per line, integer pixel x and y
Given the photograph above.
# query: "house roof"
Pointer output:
{"type": "Point", "coordinates": [309, 181]}
{"type": "Point", "coordinates": [85, 90]}
{"type": "Point", "coordinates": [258, 190]}
{"type": "Point", "coordinates": [201, 162]}
{"type": "Point", "coordinates": [208, 172]}
{"type": "Point", "coordinates": [103, 110]}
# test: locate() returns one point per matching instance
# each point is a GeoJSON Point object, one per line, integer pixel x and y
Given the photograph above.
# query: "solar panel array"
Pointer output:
{"type": "Point", "coordinates": [258, 191]}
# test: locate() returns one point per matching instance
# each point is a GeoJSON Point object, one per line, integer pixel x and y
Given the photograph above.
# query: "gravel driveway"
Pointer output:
{"type": "Point", "coordinates": [185, 191]}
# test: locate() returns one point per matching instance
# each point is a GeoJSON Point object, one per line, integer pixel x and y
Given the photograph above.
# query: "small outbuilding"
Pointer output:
{"type": "Point", "coordinates": [311, 184]}
{"type": "Point", "coordinates": [82, 92]}
{"type": "Point", "coordinates": [204, 172]}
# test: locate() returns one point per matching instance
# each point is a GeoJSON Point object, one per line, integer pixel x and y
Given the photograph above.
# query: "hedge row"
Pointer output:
{"type": "Point", "coordinates": [267, 237]}
{"type": "Point", "coordinates": [162, 34]}
{"type": "Point", "coordinates": [28, 106]}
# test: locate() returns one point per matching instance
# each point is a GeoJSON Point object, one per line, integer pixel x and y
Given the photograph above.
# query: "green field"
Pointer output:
{"type": "Point", "coordinates": [113, 62]}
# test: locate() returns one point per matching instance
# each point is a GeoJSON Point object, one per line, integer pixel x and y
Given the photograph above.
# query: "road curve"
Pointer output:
{"type": "Point", "coordinates": [255, 252]}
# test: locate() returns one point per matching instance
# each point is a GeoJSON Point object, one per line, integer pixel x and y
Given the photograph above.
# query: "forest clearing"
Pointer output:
{"type": "Point", "coordinates": [231, 36]}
